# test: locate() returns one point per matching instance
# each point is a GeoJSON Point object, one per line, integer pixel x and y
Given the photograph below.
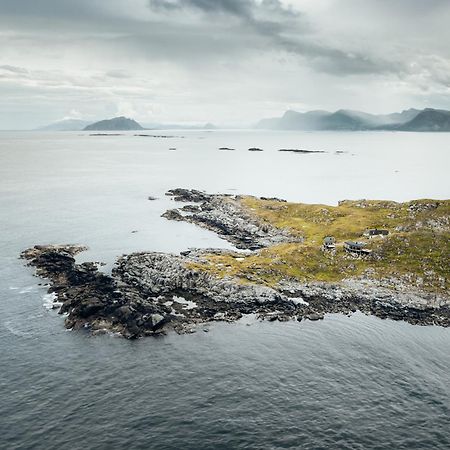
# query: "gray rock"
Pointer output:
{"type": "Point", "coordinates": [224, 215]}
{"type": "Point", "coordinates": [314, 316]}
{"type": "Point", "coordinates": [156, 320]}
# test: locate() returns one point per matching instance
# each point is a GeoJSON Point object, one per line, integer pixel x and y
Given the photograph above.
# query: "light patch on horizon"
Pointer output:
{"type": "Point", "coordinates": [230, 62]}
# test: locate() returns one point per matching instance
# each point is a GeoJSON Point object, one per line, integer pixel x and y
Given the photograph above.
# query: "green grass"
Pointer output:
{"type": "Point", "coordinates": [418, 246]}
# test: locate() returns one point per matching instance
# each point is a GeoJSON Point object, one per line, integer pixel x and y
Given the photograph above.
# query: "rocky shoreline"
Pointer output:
{"type": "Point", "coordinates": [147, 293]}
{"type": "Point", "coordinates": [151, 293]}
{"type": "Point", "coordinates": [224, 215]}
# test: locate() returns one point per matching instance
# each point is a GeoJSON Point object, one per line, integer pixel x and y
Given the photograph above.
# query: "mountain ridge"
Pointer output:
{"type": "Point", "coordinates": [425, 120]}
{"type": "Point", "coordinates": [102, 125]}
{"type": "Point", "coordinates": [120, 123]}
{"type": "Point", "coordinates": [428, 119]}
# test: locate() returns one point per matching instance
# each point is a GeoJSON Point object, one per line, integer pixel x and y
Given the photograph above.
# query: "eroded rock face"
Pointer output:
{"type": "Point", "coordinates": [224, 215]}
{"type": "Point", "coordinates": [166, 274]}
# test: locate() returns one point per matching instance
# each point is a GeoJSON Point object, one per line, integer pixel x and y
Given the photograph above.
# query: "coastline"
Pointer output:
{"type": "Point", "coordinates": [152, 293]}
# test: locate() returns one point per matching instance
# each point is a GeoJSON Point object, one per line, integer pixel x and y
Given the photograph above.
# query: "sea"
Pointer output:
{"type": "Point", "coordinates": [354, 382]}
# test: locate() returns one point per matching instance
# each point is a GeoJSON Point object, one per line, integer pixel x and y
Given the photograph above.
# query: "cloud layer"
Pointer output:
{"type": "Point", "coordinates": [227, 61]}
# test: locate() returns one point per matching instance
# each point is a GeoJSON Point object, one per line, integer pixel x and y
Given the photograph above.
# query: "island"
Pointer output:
{"type": "Point", "coordinates": [292, 261]}
{"type": "Point", "coordinates": [115, 124]}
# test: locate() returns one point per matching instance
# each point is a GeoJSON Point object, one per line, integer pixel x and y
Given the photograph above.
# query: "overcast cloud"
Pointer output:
{"type": "Point", "coordinates": [229, 62]}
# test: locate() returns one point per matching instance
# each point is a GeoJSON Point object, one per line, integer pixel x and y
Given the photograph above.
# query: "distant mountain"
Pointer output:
{"type": "Point", "coordinates": [293, 120]}
{"type": "Point", "coordinates": [66, 125]}
{"type": "Point", "coordinates": [401, 117]}
{"type": "Point", "coordinates": [118, 124]}
{"type": "Point", "coordinates": [408, 120]}
{"type": "Point", "coordinates": [428, 120]}
{"type": "Point", "coordinates": [115, 124]}
{"type": "Point", "coordinates": [357, 120]}
{"type": "Point", "coordinates": [320, 120]}
{"type": "Point", "coordinates": [346, 120]}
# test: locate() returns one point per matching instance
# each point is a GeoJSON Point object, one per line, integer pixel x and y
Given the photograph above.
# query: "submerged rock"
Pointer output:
{"type": "Point", "coordinates": [296, 150]}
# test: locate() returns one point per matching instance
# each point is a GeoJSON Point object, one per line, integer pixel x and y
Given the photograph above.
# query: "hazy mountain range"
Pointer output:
{"type": "Point", "coordinates": [66, 125]}
{"type": "Point", "coordinates": [409, 120]}
{"type": "Point", "coordinates": [118, 124]}
{"type": "Point", "coordinates": [428, 119]}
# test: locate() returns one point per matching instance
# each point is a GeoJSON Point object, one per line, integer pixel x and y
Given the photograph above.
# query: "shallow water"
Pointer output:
{"type": "Point", "coordinates": [357, 382]}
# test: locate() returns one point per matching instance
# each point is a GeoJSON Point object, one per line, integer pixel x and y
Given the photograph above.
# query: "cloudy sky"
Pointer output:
{"type": "Point", "coordinates": [229, 62]}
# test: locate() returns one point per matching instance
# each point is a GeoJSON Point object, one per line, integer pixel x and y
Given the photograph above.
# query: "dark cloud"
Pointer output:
{"type": "Point", "coordinates": [286, 30]}
{"type": "Point", "coordinates": [64, 9]}
{"type": "Point", "coordinates": [251, 26]}
{"type": "Point", "coordinates": [13, 69]}
{"type": "Point", "coordinates": [262, 52]}
{"type": "Point", "coordinates": [267, 18]}
{"type": "Point", "coordinates": [241, 8]}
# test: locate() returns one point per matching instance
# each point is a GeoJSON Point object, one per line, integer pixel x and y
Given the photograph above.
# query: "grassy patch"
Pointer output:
{"type": "Point", "coordinates": [418, 245]}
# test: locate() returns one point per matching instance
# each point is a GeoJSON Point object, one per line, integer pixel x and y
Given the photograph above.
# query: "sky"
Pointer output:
{"type": "Point", "coordinates": [229, 62]}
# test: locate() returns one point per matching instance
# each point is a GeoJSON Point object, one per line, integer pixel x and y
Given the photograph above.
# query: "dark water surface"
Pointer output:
{"type": "Point", "coordinates": [357, 383]}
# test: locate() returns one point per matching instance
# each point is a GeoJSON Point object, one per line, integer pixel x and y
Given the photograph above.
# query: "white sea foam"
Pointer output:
{"type": "Point", "coordinates": [50, 301]}
{"type": "Point", "coordinates": [27, 289]}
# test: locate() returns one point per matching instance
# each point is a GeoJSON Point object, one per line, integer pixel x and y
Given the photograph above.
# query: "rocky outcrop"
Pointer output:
{"type": "Point", "coordinates": [166, 274]}
{"type": "Point", "coordinates": [151, 293]}
{"type": "Point", "coordinates": [224, 215]}
{"type": "Point", "coordinates": [396, 302]}
{"type": "Point", "coordinates": [147, 293]}
{"type": "Point", "coordinates": [92, 299]}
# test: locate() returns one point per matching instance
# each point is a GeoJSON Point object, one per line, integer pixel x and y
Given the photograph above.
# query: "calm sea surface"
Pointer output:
{"type": "Point", "coordinates": [346, 382]}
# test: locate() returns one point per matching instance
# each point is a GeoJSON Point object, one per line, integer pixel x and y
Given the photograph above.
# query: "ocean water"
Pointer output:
{"type": "Point", "coordinates": [346, 382]}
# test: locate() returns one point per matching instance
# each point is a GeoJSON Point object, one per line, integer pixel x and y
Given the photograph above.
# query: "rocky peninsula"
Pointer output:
{"type": "Point", "coordinates": [280, 272]}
